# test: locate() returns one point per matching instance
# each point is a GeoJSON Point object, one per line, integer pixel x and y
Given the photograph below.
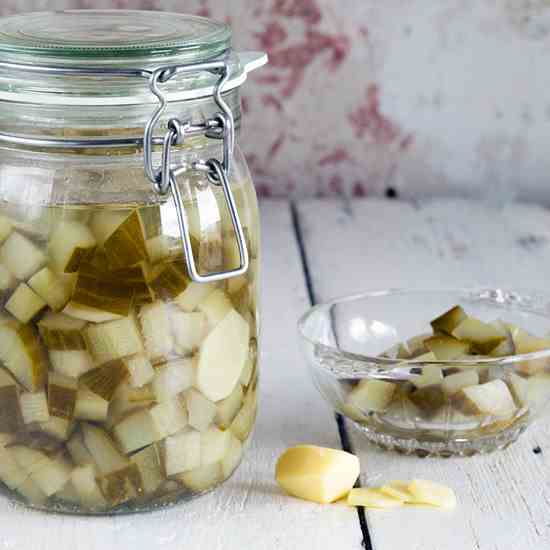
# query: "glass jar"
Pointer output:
{"type": "Point", "coordinates": [129, 249]}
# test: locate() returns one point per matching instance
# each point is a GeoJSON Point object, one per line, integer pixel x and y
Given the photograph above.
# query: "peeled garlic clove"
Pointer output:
{"type": "Point", "coordinates": [315, 473]}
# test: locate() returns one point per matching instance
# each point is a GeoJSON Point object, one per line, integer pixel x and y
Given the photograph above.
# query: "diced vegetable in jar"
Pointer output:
{"type": "Point", "coordinates": [122, 382]}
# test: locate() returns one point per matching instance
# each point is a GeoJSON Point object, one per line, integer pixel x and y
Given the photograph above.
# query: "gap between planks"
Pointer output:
{"type": "Point", "coordinates": [345, 440]}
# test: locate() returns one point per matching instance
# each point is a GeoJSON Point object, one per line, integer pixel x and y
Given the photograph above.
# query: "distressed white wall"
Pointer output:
{"type": "Point", "coordinates": [423, 96]}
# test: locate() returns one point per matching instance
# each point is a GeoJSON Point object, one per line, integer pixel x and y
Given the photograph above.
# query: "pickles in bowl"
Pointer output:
{"type": "Point", "coordinates": [440, 373]}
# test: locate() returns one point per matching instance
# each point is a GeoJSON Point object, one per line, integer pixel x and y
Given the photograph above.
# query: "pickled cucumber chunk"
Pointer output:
{"type": "Point", "coordinates": [172, 281]}
{"type": "Point", "coordinates": [227, 344]}
{"type": "Point", "coordinates": [61, 332]}
{"type": "Point", "coordinates": [62, 392]}
{"type": "Point", "coordinates": [7, 280]}
{"type": "Point", "coordinates": [122, 485]}
{"type": "Point", "coordinates": [157, 331]}
{"type": "Point", "coordinates": [449, 320]}
{"type": "Point", "coordinates": [90, 406]}
{"type": "Point", "coordinates": [21, 257]}
{"type": "Point", "coordinates": [52, 289]}
{"type": "Point", "coordinates": [483, 336]}
{"type": "Point", "coordinates": [135, 431]}
{"type": "Point", "coordinates": [34, 407]}
{"type": "Point", "coordinates": [113, 340]}
{"type": "Point", "coordinates": [11, 419]}
{"type": "Point", "coordinates": [6, 228]}
{"type": "Point", "coordinates": [98, 299]}
{"type": "Point", "coordinates": [24, 303]}
{"type": "Point", "coordinates": [85, 484]}
{"type": "Point", "coordinates": [148, 462]}
{"type": "Point", "coordinates": [181, 452]}
{"type": "Point", "coordinates": [105, 380]}
{"type": "Point", "coordinates": [103, 449]}
{"type": "Point", "coordinates": [490, 398]}
{"type": "Point", "coordinates": [446, 348]}
{"type": "Point", "coordinates": [22, 354]}
{"type": "Point", "coordinates": [71, 363]}
{"type": "Point", "coordinates": [70, 244]}
{"type": "Point", "coordinates": [126, 244]}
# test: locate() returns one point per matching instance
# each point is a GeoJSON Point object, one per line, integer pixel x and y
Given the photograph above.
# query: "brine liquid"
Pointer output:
{"type": "Point", "coordinates": [124, 385]}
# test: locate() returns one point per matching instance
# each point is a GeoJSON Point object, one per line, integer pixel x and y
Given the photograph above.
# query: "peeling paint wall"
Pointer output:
{"type": "Point", "coordinates": [412, 97]}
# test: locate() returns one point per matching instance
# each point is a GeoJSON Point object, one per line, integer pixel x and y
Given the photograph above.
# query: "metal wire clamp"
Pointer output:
{"type": "Point", "coordinates": [163, 179]}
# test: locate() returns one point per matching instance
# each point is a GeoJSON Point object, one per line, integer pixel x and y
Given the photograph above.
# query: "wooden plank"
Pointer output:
{"type": "Point", "coordinates": [504, 498]}
{"type": "Point", "coordinates": [249, 511]}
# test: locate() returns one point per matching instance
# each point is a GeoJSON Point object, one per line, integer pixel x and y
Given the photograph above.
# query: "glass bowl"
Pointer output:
{"type": "Point", "coordinates": [343, 340]}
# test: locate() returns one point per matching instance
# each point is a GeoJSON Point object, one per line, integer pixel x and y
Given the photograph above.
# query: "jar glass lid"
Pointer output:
{"type": "Point", "coordinates": [115, 36]}
{"type": "Point", "coordinates": [113, 40]}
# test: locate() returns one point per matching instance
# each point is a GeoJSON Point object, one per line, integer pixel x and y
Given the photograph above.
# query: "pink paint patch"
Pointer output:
{"type": "Point", "coordinates": [336, 156]}
{"type": "Point", "coordinates": [296, 58]}
{"type": "Point", "coordinates": [263, 190]}
{"type": "Point", "coordinates": [271, 36]}
{"type": "Point", "coordinates": [245, 104]}
{"type": "Point", "coordinates": [358, 190]}
{"type": "Point", "coordinates": [268, 79]}
{"type": "Point", "coordinates": [368, 120]}
{"type": "Point", "coordinates": [335, 185]}
{"type": "Point", "coordinates": [308, 10]}
{"type": "Point", "coordinates": [276, 146]}
{"type": "Point", "coordinates": [269, 100]}
{"type": "Point", "coordinates": [364, 32]}
{"type": "Point", "coordinates": [406, 142]}
{"type": "Point", "coordinates": [204, 11]}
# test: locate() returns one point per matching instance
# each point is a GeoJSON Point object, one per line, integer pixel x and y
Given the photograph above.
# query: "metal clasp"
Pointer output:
{"type": "Point", "coordinates": [163, 179]}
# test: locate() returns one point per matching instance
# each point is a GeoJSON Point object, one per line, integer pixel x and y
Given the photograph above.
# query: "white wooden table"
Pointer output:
{"type": "Point", "coordinates": [314, 250]}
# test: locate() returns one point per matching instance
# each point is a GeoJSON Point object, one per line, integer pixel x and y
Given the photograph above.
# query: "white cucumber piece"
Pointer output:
{"type": "Point", "coordinates": [78, 451]}
{"type": "Point", "coordinates": [173, 378]}
{"type": "Point", "coordinates": [189, 329]}
{"type": "Point", "coordinates": [88, 313]}
{"type": "Point", "coordinates": [215, 306]}
{"type": "Point", "coordinates": [136, 431]}
{"type": "Point", "coordinates": [53, 476]}
{"type": "Point", "coordinates": [22, 355]}
{"type": "Point", "coordinates": [169, 417]}
{"type": "Point", "coordinates": [24, 303]}
{"type": "Point", "coordinates": [6, 228]}
{"type": "Point", "coordinates": [104, 452]}
{"type": "Point", "coordinates": [104, 223]}
{"type": "Point", "coordinates": [71, 243]}
{"type": "Point", "coordinates": [90, 406]}
{"type": "Point", "coordinates": [58, 427]}
{"type": "Point", "coordinates": [244, 421]}
{"type": "Point", "coordinates": [222, 357]}
{"type": "Point", "coordinates": [52, 289]}
{"type": "Point", "coordinates": [21, 256]}
{"type": "Point", "coordinates": [371, 395]}
{"type": "Point", "coordinates": [7, 280]}
{"type": "Point", "coordinates": [73, 363]}
{"type": "Point", "coordinates": [85, 484]}
{"type": "Point", "coordinates": [194, 294]}
{"type": "Point", "coordinates": [200, 409]}
{"type": "Point", "coordinates": [140, 369]}
{"type": "Point", "coordinates": [492, 398]}
{"type": "Point", "coordinates": [156, 330]}
{"type": "Point", "coordinates": [182, 452]}
{"type": "Point", "coordinates": [455, 382]}
{"type": "Point", "coordinates": [203, 478]}
{"type": "Point", "coordinates": [113, 340]}
{"type": "Point", "coordinates": [34, 407]}
{"type": "Point", "coordinates": [149, 464]}
{"type": "Point", "coordinates": [214, 445]}
{"type": "Point", "coordinates": [228, 408]}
